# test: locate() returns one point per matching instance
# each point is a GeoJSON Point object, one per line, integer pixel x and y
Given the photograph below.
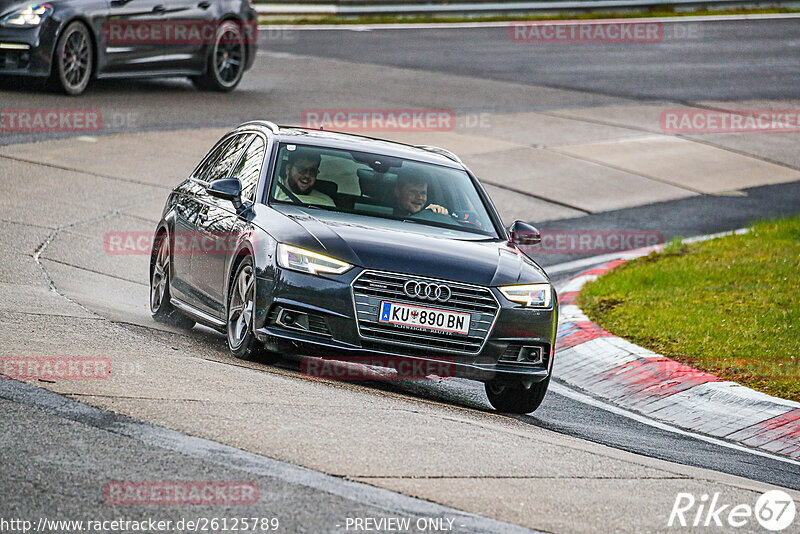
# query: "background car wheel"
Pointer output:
{"type": "Point", "coordinates": [160, 307]}
{"type": "Point", "coordinates": [514, 398]}
{"type": "Point", "coordinates": [73, 60]}
{"type": "Point", "coordinates": [241, 311]}
{"type": "Point", "coordinates": [226, 60]}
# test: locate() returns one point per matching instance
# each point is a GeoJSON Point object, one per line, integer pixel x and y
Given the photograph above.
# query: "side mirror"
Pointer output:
{"type": "Point", "coordinates": [523, 234]}
{"type": "Point", "coordinates": [227, 189]}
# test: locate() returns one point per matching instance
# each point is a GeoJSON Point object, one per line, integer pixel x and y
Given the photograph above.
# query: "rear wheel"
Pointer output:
{"type": "Point", "coordinates": [160, 307]}
{"type": "Point", "coordinates": [515, 398]}
{"type": "Point", "coordinates": [73, 60]}
{"type": "Point", "coordinates": [225, 62]}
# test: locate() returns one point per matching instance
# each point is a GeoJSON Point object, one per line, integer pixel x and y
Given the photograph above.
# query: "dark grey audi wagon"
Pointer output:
{"type": "Point", "coordinates": [337, 245]}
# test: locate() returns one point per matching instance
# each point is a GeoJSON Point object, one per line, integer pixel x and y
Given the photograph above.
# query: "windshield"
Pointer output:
{"type": "Point", "coordinates": [374, 185]}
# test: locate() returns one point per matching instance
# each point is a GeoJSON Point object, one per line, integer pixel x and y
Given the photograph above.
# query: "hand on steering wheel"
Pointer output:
{"type": "Point", "coordinates": [436, 208]}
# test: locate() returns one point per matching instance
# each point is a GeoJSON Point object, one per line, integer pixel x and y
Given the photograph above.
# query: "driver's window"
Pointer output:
{"type": "Point", "coordinates": [249, 168]}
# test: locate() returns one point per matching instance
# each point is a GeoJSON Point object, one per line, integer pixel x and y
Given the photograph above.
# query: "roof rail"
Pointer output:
{"type": "Point", "coordinates": [271, 125]}
{"type": "Point", "coordinates": [440, 151]}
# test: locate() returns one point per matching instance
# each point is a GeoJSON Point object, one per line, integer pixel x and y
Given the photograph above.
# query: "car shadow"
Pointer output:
{"type": "Point", "coordinates": [101, 87]}
{"type": "Point", "coordinates": [448, 390]}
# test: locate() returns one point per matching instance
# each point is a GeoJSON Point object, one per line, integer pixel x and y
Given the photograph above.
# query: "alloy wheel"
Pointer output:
{"type": "Point", "coordinates": [158, 281]}
{"type": "Point", "coordinates": [240, 309]}
{"type": "Point", "coordinates": [229, 55]}
{"type": "Point", "coordinates": [75, 59]}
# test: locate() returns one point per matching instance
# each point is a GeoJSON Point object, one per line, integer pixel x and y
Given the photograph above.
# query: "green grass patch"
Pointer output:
{"type": "Point", "coordinates": [418, 19]}
{"type": "Point", "coordinates": [729, 306]}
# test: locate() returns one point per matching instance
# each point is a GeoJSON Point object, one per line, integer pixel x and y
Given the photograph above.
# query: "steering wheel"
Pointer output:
{"type": "Point", "coordinates": [467, 218]}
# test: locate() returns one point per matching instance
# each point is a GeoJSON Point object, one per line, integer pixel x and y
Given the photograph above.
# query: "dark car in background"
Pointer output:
{"type": "Point", "coordinates": [70, 42]}
{"type": "Point", "coordinates": [355, 265]}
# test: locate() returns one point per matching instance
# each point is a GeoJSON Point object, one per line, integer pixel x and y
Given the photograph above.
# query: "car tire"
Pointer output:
{"type": "Point", "coordinates": [161, 308]}
{"type": "Point", "coordinates": [73, 60]}
{"type": "Point", "coordinates": [226, 60]}
{"type": "Point", "coordinates": [242, 342]}
{"type": "Point", "coordinates": [516, 398]}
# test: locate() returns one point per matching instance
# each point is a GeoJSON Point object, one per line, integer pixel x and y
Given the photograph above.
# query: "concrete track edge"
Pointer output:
{"type": "Point", "coordinates": [231, 457]}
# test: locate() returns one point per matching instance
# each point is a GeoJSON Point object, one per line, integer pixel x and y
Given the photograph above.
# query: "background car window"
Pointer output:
{"type": "Point", "coordinates": [249, 168]}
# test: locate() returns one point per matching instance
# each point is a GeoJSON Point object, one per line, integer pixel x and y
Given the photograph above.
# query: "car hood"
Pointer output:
{"type": "Point", "coordinates": [393, 246]}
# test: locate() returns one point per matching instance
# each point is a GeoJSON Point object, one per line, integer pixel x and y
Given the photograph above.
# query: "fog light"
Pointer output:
{"type": "Point", "coordinates": [530, 355]}
{"type": "Point", "coordinates": [293, 319]}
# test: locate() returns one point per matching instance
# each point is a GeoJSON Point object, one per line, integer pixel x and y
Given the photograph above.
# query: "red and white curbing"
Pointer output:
{"type": "Point", "coordinates": [639, 379]}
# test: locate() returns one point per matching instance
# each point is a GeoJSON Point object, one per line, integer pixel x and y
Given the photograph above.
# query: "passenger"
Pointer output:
{"type": "Point", "coordinates": [302, 168]}
{"type": "Point", "coordinates": [411, 198]}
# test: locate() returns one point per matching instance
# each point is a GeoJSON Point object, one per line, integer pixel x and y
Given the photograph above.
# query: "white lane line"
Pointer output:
{"type": "Point", "coordinates": [586, 399]}
{"type": "Point", "coordinates": [457, 25]}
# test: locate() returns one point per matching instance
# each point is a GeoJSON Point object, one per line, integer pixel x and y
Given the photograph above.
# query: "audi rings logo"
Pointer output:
{"type": "Point", "coordinates": [424, 290]}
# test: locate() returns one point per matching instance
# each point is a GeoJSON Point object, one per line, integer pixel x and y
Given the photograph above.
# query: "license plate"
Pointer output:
{"type": "Point", "coordinates": [422, 317]}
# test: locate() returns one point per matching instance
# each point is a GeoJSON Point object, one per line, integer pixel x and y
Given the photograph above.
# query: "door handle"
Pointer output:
{"type": "Point", "coordinates": [204, 5]}
{"type": "Point", "coordinates": [159, 8]}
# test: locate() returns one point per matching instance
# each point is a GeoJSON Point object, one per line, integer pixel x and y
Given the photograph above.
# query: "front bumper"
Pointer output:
{"type": "Point", "coordinates": [329, 301]}
{"type": "Point", "coordinates": [27, 51]}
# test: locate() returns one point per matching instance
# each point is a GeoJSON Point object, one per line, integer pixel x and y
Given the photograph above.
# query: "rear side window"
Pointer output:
{"type": "Point", "coordinates": [220, 162]}
{"type": "Point", "coordinates": [249, 168]}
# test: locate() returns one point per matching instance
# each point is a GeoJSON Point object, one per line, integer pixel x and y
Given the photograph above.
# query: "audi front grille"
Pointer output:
{"type": "Point", "coordinates": [370, 288]}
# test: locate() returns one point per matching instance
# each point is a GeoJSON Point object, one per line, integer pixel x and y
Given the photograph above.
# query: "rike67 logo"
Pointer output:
{"type": "Point", "coordinates": [775, 510]}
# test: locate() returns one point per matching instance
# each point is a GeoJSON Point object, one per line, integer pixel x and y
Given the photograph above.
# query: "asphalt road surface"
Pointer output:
{"type": "Point", "coordinates": [66, 450]}
{"type": "Point", "coordinates": [694, 61]}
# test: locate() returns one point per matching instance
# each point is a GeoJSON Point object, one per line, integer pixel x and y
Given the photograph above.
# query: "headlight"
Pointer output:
{"type": "Point", "coordinates": [306, 261]}
{"type": "Point", "coordinates": [27, 17]}
{"type": "Point", "coordinates": [531, 295]}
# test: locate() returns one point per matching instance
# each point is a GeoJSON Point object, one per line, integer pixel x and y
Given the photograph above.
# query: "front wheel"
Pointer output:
{"type": "Point", "coordinates": [73, 60]}
{"type": "Point", "coordinates": [515, 398]}
{"type": "Point", "coordinates": [226, 61]}
{"type": "Point", "coordinates": [242, 341]}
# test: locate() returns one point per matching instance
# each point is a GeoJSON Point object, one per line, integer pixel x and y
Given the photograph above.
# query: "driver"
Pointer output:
{"type": "Point", "coordinates": [302, 168]}
{"type": "Point", "coordinates": [411, 198]}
